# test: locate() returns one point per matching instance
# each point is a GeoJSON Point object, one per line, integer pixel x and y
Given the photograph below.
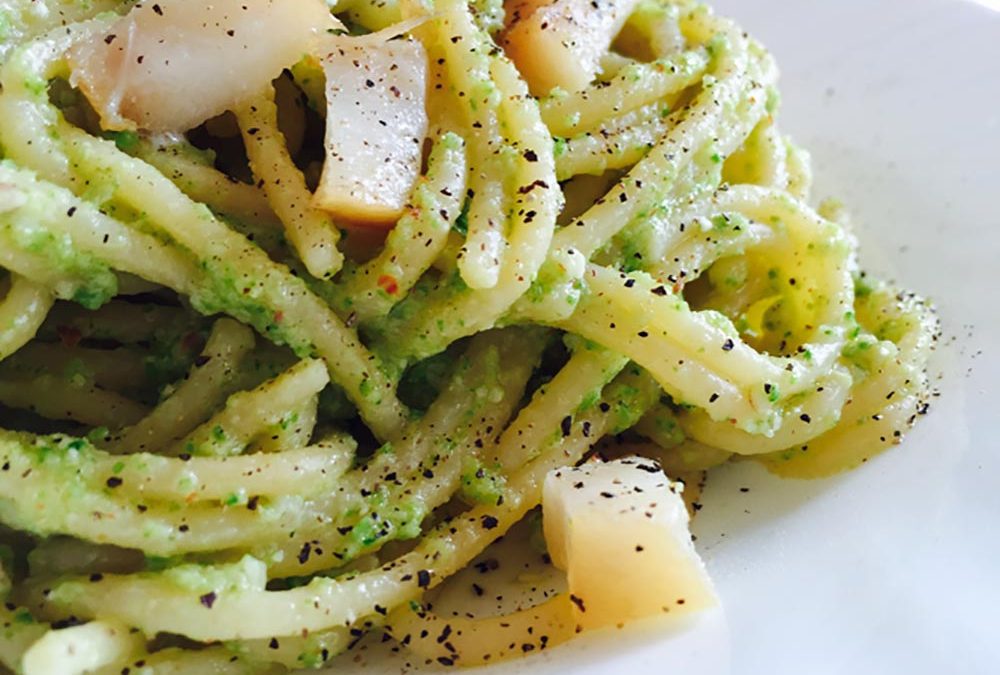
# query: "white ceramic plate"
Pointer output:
{"type": "Point", "coordinates": [894, 568]}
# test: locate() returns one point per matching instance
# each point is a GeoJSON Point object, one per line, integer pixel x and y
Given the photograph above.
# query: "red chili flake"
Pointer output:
{"type": "Point", "coordinates": [191, 342]}
{"type": "Point", "coordinates": [69, 336]}
{"type": "Point", "coordinates": [388, 284]}
{"type": "Point", "coordinates": [279, 316]}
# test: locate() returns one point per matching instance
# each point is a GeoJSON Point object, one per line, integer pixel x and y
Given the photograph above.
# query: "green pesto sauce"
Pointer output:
{"type": "Point", "coordinates": [481, 485]}
{"type": "Point", "coordinates": [96, 283]}
{"type": "Point", "coordinates": [126, 141]}
{"type": "Point", "coordinates": [773, 100]}
{"type": "Point", "coordinates": [167, 362]}
{"type": "Point", "coordinates": [382, 523]}
{"type": "Point", "coordinates": [23, 617]}
{"type": "Point", "coordinates": [246, 575]}
{"type": "Point", "coordinates": [224, 290]}
{"type": "Point", "coordinates": [461, 224]}
{"type": "Point", "coordinates": [488, 15]}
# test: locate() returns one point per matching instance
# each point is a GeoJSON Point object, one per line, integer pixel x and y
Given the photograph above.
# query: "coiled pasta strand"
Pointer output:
{"type": "Point", "coordinates": [310, 231]}
{"type": "Point", "coordinates": [22, 311]}
{"type": "Point", "coordinates": [275, 302]}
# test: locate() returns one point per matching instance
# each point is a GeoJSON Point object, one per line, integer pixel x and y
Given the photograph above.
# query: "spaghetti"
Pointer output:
{"type": "Point", "coordinates": [241, 431]}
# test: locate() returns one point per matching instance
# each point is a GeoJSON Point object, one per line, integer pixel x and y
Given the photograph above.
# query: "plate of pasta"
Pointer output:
{"type": "Point", "coordinates": [538, 335]}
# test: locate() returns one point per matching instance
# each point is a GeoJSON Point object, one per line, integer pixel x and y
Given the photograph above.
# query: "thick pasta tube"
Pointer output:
{"type": "Point", "coordinates": [309, 230]}
{"type": "Point", "coordinates": [81, 649]}
{"type": "Point", "coordinates": [633, 86]}
{"type": "Point", "coordinates": [762, 160]}
{"type": "Point", "coordinates": [248, 414]}
{"type": "Point", "coordinates": [534, 208]}
{"type": "Point", "coordinates": [208, 661]}
{"type": "Point", "coordinates": [297, 651]}
{"type": "Point", "coordinates": [59, 399]}
{"type": "Point", "coordinates": [20, 631]}
{"type": "Point", "coordinates": [22, 311]}
{"type": "Point", "coordinates": [204, 183]}
{"type": "Point", "coordinates": [818, 256]}
{"type": "Point", "coordinates": [49, 218]}
{"type": "Point", "coordinates": [475, 642]}
{"type": "Point", "coordinates": [575, 388]}
{"type": "Point", "coordinates": [726, 109]}
{"type": "Point", "coordinates": [469, 60]}
{"type": "Point", "coordinates": [327, 602]}
{"type": "Point", "coordinates": [19, 628]}
{"type": "Point", "coordinates": [121, 370]}
{"type": "Point", "coordinates": [303, 471]}
{"type": "Point", "coordinates": [892, 391]}
{"type": "Point", "coordinates": [422, 469]}
{"type": "Point", "coordinates": [38, 502]}
{"type": "Point", "coordinates": [622, 142]}
{"type": "Point", "coordinates": [206, 387]}
{"type": "Point", "coordinates": [293, 430]}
